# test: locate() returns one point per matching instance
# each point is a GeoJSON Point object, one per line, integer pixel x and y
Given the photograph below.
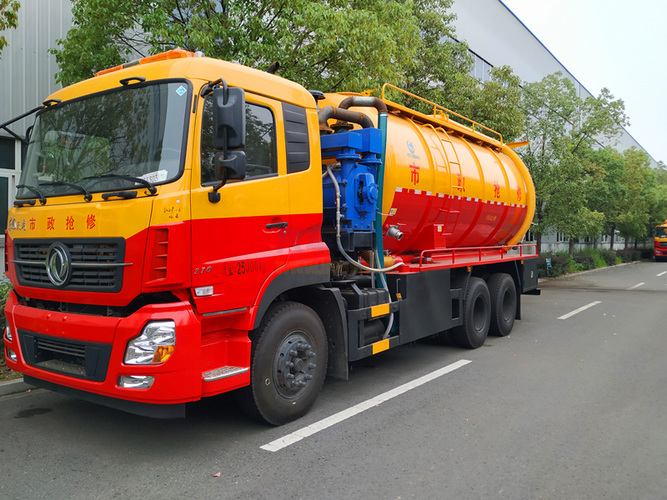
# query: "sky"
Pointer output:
{"type": "Point", "coordinates": [617, 44]}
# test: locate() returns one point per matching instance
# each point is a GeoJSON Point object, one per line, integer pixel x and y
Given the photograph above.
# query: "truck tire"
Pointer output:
{"type": "Point", "coordinates": [503, 304]}
{"type": "Point", "coordinates": [288, 364]}
{"type": "Point", "coordinates": [476, 316]}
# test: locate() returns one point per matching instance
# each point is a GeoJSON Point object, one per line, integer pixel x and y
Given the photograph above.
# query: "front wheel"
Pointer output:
{"type": "Point", "coordinates": [288, 366]}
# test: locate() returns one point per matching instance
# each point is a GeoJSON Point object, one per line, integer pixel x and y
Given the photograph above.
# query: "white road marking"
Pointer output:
{"type": "Point", "coordinates": [637, 286]}
{"type": "Point", "coordinates": [577, 311]}
{"type": "Point", "coordinates": [662, 273]}
{"type": "Point", "coordinates": [325, 423]}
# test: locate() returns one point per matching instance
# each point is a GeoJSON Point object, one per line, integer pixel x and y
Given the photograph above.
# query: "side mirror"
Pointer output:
{"type": "Point", "coordinates": [228, 136]}
{"type": "Point", "coordinates": [228, 118]}
{"type": "Point", "coordinates": [232, 167]}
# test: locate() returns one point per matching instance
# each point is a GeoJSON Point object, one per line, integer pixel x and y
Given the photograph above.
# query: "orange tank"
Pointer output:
{"type": "Point", "coordinates": [449, 185]}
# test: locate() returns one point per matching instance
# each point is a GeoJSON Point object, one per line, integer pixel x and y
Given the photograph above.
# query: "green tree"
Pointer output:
{"type": "Point", "coordinates": [641, 182]}
{"type": "Point", "coordinates": [608, 191]}
{"type": "Point", "coordinates": [494, 102]}
{"type": "Point", "coordinates": [498, 104]}
{"type": "Point", "coordinates": [550, 107]}
{"type": "Point", "coordinates": [659, 209]}
{"type": "Point", "coordinates": [441, 72]}
{"type": "Point", "coordinates": [328, 45]}
{"type": "Point", "coordinates": [9, 18]}
{"type": "Point", "coordinates": [562, 129]}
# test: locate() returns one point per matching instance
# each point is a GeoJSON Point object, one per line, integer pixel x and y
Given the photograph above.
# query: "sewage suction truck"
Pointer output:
{"type": "Point", "coordinates": [186, 226]}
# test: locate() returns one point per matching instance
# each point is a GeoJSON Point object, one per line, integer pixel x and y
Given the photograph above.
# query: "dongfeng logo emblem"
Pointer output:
{"type": "Point", "coordinates": [58, 265]}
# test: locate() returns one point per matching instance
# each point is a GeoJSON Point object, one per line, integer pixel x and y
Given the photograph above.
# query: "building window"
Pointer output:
{"type": "Point", "coordinates": [4, 203]}
{"type": "Point", "coordinates": [7, 158]}
{"type": "Point", "coordinates": [482, 69]}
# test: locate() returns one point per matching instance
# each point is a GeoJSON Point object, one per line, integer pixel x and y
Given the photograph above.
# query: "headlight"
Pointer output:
{"type": "Point", "coordinates": [8, 334]}
{"type": "Point", "coordinates": [153, 346]}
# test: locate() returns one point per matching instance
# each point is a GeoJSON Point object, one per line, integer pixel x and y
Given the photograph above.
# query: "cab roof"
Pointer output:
{"type": "Point", "coordinates": [198, 69]}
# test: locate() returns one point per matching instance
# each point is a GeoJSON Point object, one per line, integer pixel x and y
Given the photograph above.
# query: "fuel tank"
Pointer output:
{"type": "Point", "coordinates": [446, 184]}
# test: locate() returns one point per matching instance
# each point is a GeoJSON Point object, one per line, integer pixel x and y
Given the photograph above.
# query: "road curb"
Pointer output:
{"type": "Point", "coordinates": [621, 264]}
{"type": "Point", "coordinates": [13, 387]}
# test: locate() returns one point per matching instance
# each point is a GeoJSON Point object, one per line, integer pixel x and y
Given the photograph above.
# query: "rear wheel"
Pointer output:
{"type": "Point", "coordinates": [503, 304]}
{"type": "Point", "coordinates": [476, 316]}
{"type": "Point", "coordinates": [288, 366]}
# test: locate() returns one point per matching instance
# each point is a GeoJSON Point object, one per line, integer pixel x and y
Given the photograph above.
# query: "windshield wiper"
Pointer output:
{"type": "Point", "coordinates": [42, 198]}
{"type": "Point", "coordinates": [86, 195]}
{"type": "Point", "coordinates": [131, 178]}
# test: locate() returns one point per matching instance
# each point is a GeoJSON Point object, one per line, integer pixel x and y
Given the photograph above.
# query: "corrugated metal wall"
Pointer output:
{"type": "Point", "coordinates": [26, 68]}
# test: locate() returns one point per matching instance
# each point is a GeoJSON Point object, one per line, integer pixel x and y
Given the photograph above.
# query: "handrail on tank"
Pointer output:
{"type": "Point", "coordinates": [443, 111]}
{"type": "Point", "coordinates": [501, 252]}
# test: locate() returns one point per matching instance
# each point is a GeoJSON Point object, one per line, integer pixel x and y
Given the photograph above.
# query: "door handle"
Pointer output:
{"type": "Point", "coordinates": [276, 225]}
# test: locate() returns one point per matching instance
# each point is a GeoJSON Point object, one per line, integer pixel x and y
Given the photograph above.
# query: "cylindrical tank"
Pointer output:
{"type": "Point", "coordinates": [447, 185]}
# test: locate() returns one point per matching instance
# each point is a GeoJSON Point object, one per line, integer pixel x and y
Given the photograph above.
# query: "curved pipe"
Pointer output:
{"type": "Point", "coordinates": [344, 115]}
{"type": "Point", "coordinates": [366, 101]}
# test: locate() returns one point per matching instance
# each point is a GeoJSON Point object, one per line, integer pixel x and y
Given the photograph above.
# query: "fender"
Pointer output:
{"type": "Point", "coordinates": [289, 280]}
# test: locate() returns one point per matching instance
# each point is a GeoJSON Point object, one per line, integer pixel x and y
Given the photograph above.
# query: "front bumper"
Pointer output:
{"type": "Point", "coordinates": [83, 355]}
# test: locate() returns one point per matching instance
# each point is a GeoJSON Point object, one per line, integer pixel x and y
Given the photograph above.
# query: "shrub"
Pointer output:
{"type": "Point", "coordinates": [585, 260]}
{"type": "Point", "coordinates": [5, 288]}
{"type": "Point", "coordinates": [609, 257]}
{"type": "Point", "coordinates": [561, 263]}
{"type": "Point", "coordinates": [597, 257]}
{"type": "Point", "coordinates": [629, 255]}
{"type": "Point", "coordinates": [646, 253]}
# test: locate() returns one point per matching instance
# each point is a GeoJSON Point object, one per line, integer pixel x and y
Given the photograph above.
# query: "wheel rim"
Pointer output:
{"type": "Point", "coordinates": [294, 365]}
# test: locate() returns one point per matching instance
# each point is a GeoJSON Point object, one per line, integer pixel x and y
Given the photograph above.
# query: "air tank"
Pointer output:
{"type": "Point", "coordinates": [448, 185]}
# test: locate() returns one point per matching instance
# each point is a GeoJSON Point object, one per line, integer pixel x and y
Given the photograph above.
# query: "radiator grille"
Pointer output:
{"type": "Point", "coordinates": [96, 264]}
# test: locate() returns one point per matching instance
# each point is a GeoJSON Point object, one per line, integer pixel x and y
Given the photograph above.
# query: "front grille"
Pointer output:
{"type": "Point", "coordinates": [663, 244]}
{"type": "Point", "coordinates": [85, 360]}
{"type": "Point", "coordinates": [97, 265]}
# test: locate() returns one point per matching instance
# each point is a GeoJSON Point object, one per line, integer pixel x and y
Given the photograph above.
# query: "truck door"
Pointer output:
{"type": "Point", "coordinates": [239, 242]}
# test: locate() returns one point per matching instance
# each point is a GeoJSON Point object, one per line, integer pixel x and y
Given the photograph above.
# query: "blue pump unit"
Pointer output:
{"type": "Point", "coordinates": [357, 153]}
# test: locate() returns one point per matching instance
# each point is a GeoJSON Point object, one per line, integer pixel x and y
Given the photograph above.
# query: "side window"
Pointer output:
{"type": "Point", "coordinates": [260, 146]}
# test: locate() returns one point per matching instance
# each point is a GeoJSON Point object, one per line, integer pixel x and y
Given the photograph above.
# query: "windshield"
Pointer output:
{"type": "Point", "coordinates": [124, 139]}
{"type": "Point", "coordinates": [660, 232]}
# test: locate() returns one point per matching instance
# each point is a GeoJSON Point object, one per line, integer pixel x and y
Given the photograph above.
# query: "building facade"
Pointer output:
{"type": "Point", "coordinates": [27, 72]}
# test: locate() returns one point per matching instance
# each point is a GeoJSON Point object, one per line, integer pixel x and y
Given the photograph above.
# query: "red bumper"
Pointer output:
{"type": "Point", "coordinates": [90, 351]}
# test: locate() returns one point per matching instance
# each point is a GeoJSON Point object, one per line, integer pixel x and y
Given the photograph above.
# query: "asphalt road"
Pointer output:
{"type": "Point", "coordinates": [568, 406]}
